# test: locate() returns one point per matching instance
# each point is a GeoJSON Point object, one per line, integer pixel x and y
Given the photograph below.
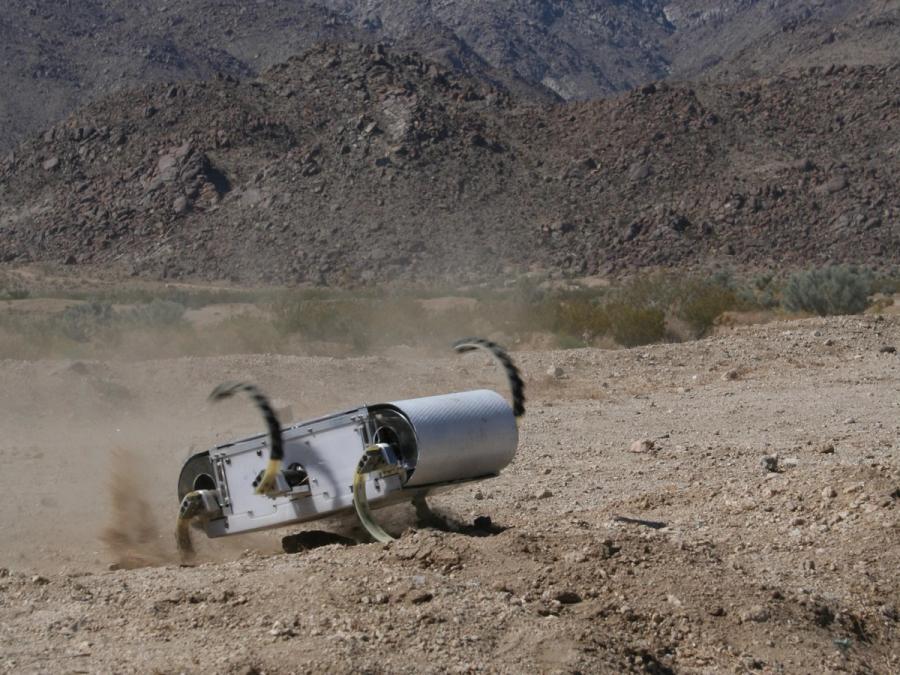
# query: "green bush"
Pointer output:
{"type": "Point", "coordinates": [838, 289]}
{"type": "Point", "coordinates": [580, 317]}
{"type": "Point", "coordinates": [702, 303]}
{"type": "Point", "coordinates": [634, 326]}
{"type": "Point", "coordinates": [762, 293]}
{"type": "Point", "coordinates": [314, 318]}
{"type": "Point", "coordinates": [155, 313]}
{"type": "Point", "coordinates": [81, 323]}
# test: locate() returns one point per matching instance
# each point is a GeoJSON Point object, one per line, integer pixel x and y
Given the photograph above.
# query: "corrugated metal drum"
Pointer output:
{"type": "Point", "coordinates": [460, 436]}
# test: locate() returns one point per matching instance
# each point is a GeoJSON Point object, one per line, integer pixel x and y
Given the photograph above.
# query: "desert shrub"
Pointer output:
{"type": "Point", "coordinates": [314, 318]}
{"type": "Point", "coordinates": [582, 318]}
{"type": "Point", "coordinates": [363, 322]}
{"type": "Point", "coordinates": [12, 288]}
{"type": "Point", "coordinates": [888, 284]}
{"type": "Point", "coordinates": [702, 303]}
{"type": "Point", "coordinates": [632, 326]}
{"type": "Point", "coordinates": [658, 291]}
{"type": "Point", "coordinates": [761, 293]}
{"type": "Point", "coordinates": [837, 289]}
{"type": "Point", "coordinates": [156, 313]}
{"type": "Point", "coordinates": [14, 292]}
{"type": "Point", "coordinates": [81, 323]}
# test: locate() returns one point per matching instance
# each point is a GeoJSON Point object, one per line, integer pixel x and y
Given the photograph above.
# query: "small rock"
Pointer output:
{"type": "Point", "coordinates": [757, 613]}
{"type": "Point", "coordinates": [639, 171]}
{"type": "Point", "coordinates": [280, 630]}
{"type": "Point", "coordinates": [826, 449]}
{"type": "Point", "coordinates": [850, 420]}
{"type": "Point", "coordinates": [770, 463]}
{"type": "Point", "coordinates": [829, 492]}
{"type": "Point", "coordinates": [546, 494]}
{"type": "Point", "coordinates": [555, 372]}
{"type": "Point", "coordinates": [4, 572]}
{"type": "Point", "coordinates": [180, 205]}
{"type": "Point", "coordinates": [643, 445]}
{"type": "Point", "coordinates": [166, 163]}
{"type": "Point", "coordinates": [834, 185]}
{"type": "Point", "coordinates": [887, 349]}
{"type": "Point", "coordinates": [731, 375]}
{"type": "Point", "coordinates": [829, 342]}
{"type": "Point", "coordinates": [479, 495]}
{"type": "Point", "coordinates": [483, 523]}
{"type": "Point", "coordinates": [420, 597]}
{"type": "Point", "coordinates": [567, 597]}
{"type": "Point", "coordinates": [38, 580]}
{"type": "Point", "coordinates": [790, 462]}
{"type": "Point", "coordinates": [51, 164]}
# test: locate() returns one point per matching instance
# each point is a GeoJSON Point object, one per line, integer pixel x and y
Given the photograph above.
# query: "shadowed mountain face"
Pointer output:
{"type": "Point", "coordinates": [58, 54]}
{"type": "Point", "coordinates": [358, 163]}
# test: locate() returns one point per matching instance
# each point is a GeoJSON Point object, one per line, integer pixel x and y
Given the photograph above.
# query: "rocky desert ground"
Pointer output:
{"type": "Point", "coordinates": [725, 505]}
{"type": "Point", "coordinates": [316, 196]}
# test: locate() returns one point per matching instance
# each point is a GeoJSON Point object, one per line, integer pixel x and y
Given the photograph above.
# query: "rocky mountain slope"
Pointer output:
{"type": "Point", "coordinates": [748, 38]}
{"type": "Point", "coordinates": [56, 56]}
{"type": "Point", "coordinates": [358, 163]}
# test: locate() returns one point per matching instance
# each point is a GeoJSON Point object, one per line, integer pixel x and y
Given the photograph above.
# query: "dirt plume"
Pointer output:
{"type": "Point", "coordinates": [132, 537]}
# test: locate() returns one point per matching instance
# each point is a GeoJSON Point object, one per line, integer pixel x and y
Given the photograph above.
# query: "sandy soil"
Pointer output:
{"type": "Point", "coordinates": [685, 556]}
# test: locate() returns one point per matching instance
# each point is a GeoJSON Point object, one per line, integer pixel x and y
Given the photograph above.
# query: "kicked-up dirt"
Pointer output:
{"type": "Point", "coordinates": [726, 505]}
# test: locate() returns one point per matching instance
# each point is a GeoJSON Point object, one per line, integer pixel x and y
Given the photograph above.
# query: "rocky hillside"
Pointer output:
{"type": "Point", "coordinates": [358, 163]}
{"type": "Point", "coordinates": [56, 56]}
{"type": "Point", "coordinates": [748, 38]}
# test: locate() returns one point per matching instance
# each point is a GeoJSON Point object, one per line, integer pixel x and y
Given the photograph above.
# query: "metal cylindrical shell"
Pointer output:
{"type": "Point", "coordinates": [460, 436]}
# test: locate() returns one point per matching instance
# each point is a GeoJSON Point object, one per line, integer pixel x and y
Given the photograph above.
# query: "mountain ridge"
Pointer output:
{"type": "Point", "coordinates": [354, 164]}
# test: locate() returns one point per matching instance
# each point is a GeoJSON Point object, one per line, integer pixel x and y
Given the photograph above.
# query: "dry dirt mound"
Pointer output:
{"type": "Point", "coordinates": [356, 163]}
{"type": "Point", "coordinates": [757, 528]}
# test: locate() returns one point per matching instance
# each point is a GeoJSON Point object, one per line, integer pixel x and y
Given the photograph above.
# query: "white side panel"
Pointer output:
{"type": "Point", "coordinates": [329, 451]}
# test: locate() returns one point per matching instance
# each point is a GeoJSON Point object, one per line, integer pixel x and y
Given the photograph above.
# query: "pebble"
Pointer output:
{"type": "Point", "coordinates": [180, 205]}
{"type": "Point", "coordinates": [421, 597]}
{"type": "Point", "coordinates": [731, 375]}
{"type": "Point", "coordinates": [545, 494]}
{"type": "Point", "coordinates": [38, 580]}
{"type": "Point", "coordinates": [643, 445]}
{"type": "Point", "coordinates": [555, 372]}
{"type": "Point", "coordinates": [757, 613]}
{"type": "Point", "coordinates": [567, 597]}
{"type": "Point", "coordinates": [829, 492]}
{"type": "Point", "coordinates": [770, 463]}
{"type": "Point", "coordinates": [826, 449]}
